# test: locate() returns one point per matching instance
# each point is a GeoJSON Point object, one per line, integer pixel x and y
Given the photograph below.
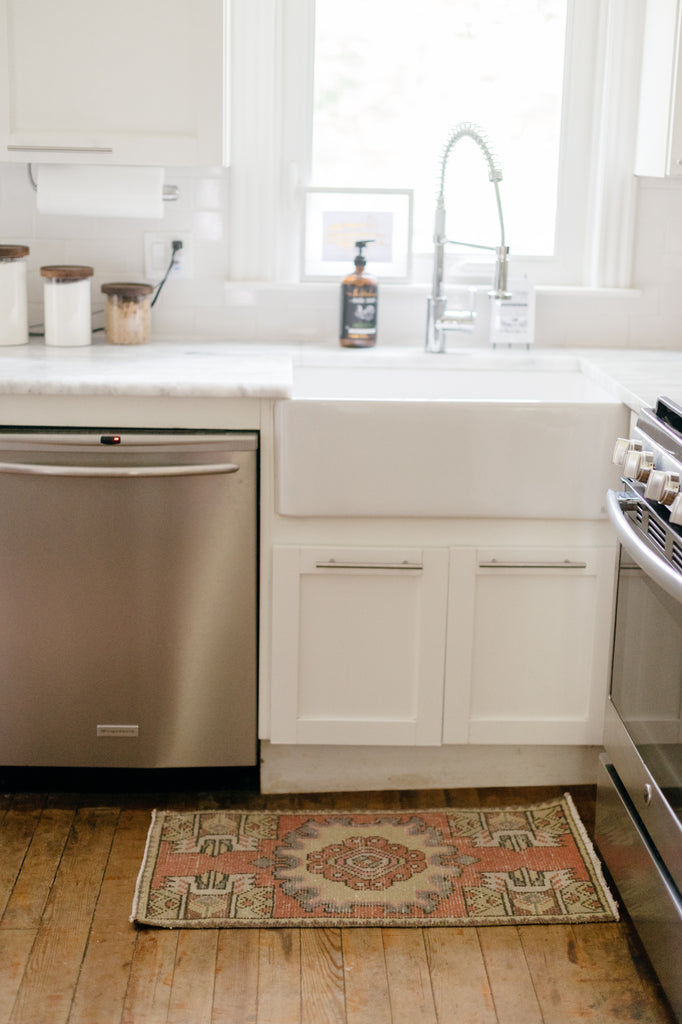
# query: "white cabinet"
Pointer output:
{"type": "Point", "coordinates": [124, 83]}
{"type": "Point", "coordinates": [358, 645]}
{"type": "Point", "coordinates": [528, 645]}
{"type": "Point", "coordinates": [471, 645]}
{"type": "Point", "coordinates": [659, 129]}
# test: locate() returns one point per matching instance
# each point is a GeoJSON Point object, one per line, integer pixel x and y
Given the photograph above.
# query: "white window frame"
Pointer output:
{"type": "Point", "coordinates": [271, 128]}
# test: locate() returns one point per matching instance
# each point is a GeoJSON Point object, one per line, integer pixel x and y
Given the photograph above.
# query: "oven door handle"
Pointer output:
{"type": "Point", "coordinates": [651, 563]}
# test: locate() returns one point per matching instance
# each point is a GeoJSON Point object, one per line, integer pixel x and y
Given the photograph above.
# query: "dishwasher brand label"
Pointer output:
{"type": "Point", "coordinates": [118, 730]}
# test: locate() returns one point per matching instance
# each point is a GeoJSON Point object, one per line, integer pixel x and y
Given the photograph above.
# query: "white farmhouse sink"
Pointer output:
{"type": "Point", "coordinates": [410, 434]}
{"type": "Point", "coordinates": [409, 384]}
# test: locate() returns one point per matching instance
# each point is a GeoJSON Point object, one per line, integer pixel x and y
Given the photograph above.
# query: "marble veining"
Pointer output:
{"type": "Point", "coordinates": [183, 368]}
{"type": "Point", "coordinates": [173, 368]}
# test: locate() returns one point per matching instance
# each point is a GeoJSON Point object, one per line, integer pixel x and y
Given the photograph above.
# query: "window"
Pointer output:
{"type": "Point", "coordinates": [390, 84]}
{"type": "Point", "coordinates": [553, 82]}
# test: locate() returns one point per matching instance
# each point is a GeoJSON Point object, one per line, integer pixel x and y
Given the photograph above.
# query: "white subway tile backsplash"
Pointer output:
{"type": "Point", "coordinates": [210, 194]}
{"type": "Point", "coordinates": [172, 321]}
{"type": "Point", "coordinates": [53, 226]}
{"type": "Point", "coordinates": [209, 305]}
{"type": "Point", "coordinates": [207, 226]}
{"type": "Point", "coordinates": [237, 323]}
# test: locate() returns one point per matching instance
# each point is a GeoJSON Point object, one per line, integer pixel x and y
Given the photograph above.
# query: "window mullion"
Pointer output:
{"type": "Point", "coordinates": [271, 117]}
{"type": "Point", "coordinates": [608, 254]}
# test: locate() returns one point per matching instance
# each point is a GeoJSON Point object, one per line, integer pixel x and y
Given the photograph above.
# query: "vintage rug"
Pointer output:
{"type": "Point", "coordinates": [241, 869]}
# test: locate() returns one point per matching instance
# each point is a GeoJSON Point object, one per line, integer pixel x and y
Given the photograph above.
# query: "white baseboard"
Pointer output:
{"type": "Point", "coordinates": [318, 769]}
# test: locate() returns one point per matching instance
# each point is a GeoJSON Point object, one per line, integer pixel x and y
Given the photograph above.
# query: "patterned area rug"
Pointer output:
{"type": "Point", "coordinates": [240, 869]}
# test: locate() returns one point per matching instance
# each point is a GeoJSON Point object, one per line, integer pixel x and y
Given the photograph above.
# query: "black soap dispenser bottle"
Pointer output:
{"type": "Point", "coordinates": [359, 294]}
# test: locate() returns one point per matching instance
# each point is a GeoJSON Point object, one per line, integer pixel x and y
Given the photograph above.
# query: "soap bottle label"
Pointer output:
{"type": "Point", "coordinates": [359, 313]}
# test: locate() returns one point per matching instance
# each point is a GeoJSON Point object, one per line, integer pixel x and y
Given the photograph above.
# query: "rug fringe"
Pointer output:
{"type": "Point", "coordinates": [592, 853]}
{"type": "Point", "coordinates": [140, 874]}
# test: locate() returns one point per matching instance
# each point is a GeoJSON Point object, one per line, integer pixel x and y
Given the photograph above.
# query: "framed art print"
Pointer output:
{"type": "Point", "coordinates": [335, 219]}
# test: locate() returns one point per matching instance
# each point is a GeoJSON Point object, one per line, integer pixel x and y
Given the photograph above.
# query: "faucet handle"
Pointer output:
{"type": "Point", "coordinates": [499, 288]}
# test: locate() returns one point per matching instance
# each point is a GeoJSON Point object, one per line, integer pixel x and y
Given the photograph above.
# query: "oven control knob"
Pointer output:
{"type": "Point", "coordinates": [623, 446]}
{"type": "Point", "coordinates": [638, 465]}
{"type": "Point", "coordinates": [676, 510]}
{"type": "Point", "coordinates": [662, 486]}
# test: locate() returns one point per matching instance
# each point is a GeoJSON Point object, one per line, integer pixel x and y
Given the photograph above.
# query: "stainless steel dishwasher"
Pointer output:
{"type": "Point", "coordinates": [128, 598]}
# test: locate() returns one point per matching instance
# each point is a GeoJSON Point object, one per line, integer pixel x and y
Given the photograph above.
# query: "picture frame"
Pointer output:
{"type": "Point", "coordinates": [336, 218]}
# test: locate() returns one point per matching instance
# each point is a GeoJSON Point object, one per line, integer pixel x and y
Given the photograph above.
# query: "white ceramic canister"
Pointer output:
{"type": "Point", "coordinates": [66, 299]}
{"type": "Point", "coordinates": [128, 313]}
{"type": "Point", "coordinates": [13, 308]}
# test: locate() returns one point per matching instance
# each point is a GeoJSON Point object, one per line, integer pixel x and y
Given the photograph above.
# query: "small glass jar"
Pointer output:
{"type": "Point", "coordinates": [128, 313]}
{"type": "Point", "coordinates": [67, 313]}
{"type": "Point", "coordinates": [13, 306]}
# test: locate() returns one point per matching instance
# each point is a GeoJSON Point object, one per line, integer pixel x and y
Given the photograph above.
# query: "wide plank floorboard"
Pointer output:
{"type": "Point", "coordinates": [279, 976]}
{"type": "Point", "coordinates": [38, 869]}
{"type": "Point", "coordinates": [367, 999]}
{"type": "Point", "coordinates": [15, 949]}
{"type": "Point", "coordinates": [235, 994]}
{"type": "Point", "coordinates": [52, 971]}
{"type": "Point", "coordinates": [322, 980]}
{"type": "Point", "coordinates": [191, 998]}
{"type": "Point", "coordinates": [409, 980]}
{"type": "Point", "coordinates": [69, 954]}
{"type": "Point", "coordinates": [509, 978]}
{"type": "Point", "coordinates": [151, 977]}
{"type": "Point", "coordinates": [19, 823]}
{"type": "Point", "coordinates": [105, 970]}
{"type": "Point", "coordinates": [458, 976]}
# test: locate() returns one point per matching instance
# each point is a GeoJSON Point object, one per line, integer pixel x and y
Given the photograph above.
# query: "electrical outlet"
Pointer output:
{"type": "Point", "coordinates": [158, 249]}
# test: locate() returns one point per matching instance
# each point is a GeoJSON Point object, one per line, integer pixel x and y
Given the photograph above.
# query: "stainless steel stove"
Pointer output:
{"type": "Point", "coordinates": [639, 803]}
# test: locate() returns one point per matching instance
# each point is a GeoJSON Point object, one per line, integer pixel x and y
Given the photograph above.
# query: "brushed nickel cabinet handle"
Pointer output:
{"type": "Point", "coordinates": [495, 563]}
{"type": "Point", "coordinates": [392, 566]}
{"type": "Point", "coordinates": [60, 149]}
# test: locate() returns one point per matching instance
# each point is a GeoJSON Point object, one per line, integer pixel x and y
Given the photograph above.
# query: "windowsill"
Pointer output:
{"type": "Point", "coordinates": [418, 289]}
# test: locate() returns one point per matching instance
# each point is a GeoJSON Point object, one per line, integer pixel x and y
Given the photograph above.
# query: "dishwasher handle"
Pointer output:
{"type": "Point", "coordinates": [117, 472]}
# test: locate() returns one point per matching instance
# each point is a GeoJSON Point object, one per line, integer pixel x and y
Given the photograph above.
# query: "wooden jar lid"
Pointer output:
{"type": "Point", "coordinates": [13, 252]}
{"type": "Point", "coordinates": [127, 290]}
{"type": "Point", "coordinates": [66, 272]}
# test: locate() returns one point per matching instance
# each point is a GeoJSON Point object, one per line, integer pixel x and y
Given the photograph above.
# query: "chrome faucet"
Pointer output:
{"type": "Point", "coordinates": [440, 319]}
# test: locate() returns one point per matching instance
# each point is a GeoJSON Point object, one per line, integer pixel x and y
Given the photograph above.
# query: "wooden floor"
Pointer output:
{"type": "Point", "coordinates": [68, 864]}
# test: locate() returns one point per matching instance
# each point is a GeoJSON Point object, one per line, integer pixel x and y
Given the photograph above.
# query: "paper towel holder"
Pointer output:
{"type": "Point", "coordinates": [170, 194]}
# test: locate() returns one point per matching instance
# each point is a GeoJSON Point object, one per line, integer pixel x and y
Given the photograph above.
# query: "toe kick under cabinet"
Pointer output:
{"type": "Point", "coordinates": [454, 645]}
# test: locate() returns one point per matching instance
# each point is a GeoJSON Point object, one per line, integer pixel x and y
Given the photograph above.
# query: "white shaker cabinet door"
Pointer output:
{"type": "Point", "coordinates": [358, 645]}
{"type": "Point", "coordinates": [529, 638]}
{"type": "Point", "coordinates": [130, 82]}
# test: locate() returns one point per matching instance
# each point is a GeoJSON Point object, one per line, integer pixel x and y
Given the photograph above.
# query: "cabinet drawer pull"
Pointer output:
{"type": "Point", "coordinates": [394, 566]}
{"type": "Point", "coordinates": [495, 563]}
{"type": "Point", "coordinates": [60, 149]}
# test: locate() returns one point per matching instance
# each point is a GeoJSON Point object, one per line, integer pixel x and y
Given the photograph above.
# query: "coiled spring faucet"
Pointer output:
{"type": "Point", "coordinates": [439, 319]}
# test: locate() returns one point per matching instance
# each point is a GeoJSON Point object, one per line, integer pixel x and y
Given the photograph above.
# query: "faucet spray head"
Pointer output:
{"type": "Point", "coordinates": [499, 288]}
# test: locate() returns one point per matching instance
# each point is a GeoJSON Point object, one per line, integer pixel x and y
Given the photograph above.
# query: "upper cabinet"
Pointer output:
{"type": "Point", "coordinates": [659, 131]}
{"type": "Point", "coordinates": [89, 81]}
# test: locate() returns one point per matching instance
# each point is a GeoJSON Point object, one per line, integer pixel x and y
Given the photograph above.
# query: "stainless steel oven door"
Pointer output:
{"type": "Point", "coordinates": [644, 737]}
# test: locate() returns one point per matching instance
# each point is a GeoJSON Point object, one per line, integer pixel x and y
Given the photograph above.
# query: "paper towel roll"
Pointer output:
{"type": "Point", "coordinates": [94, 191]}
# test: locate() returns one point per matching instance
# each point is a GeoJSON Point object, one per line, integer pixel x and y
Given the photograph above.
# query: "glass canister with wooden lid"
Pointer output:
{"type": "Point", "coordinates": [13, 306]}
{"type": "Point", "coordinates": [66, 299]}
{"type": "Point", "coordinates": [128, 312]}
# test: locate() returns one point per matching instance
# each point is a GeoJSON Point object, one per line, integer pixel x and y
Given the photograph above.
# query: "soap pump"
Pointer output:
{"type": "Point", "coordinates": [359, 295]}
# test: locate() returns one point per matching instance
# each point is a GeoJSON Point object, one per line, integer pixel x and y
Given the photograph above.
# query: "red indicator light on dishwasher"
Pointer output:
{"type": "Point", "coordinates": [110, 439]}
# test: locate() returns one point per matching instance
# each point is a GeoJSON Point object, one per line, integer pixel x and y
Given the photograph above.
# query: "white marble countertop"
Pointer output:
{"type": "Point", "coordinates": [637, 377]}
{"type": "Point", "coordinates": [161, 368]}
{"type": "Point", "coordinates": [181, 368]}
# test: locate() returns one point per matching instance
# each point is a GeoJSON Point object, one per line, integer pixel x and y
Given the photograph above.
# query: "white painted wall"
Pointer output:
{"type": "Point", "coordinates": [209, 306]}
